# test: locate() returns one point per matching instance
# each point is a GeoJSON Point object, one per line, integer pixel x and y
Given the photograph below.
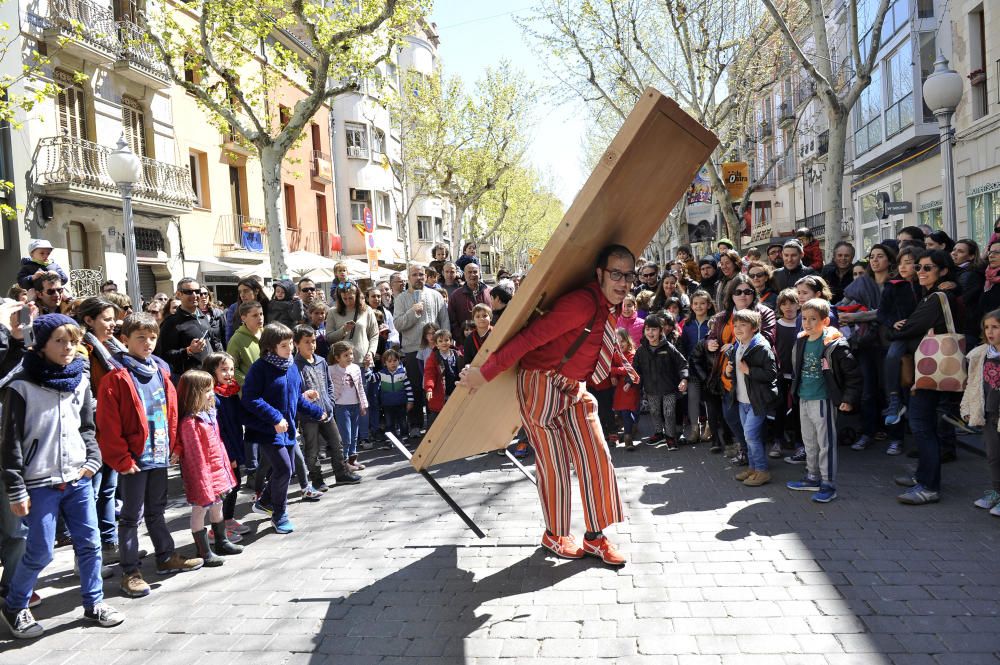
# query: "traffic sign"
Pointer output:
{"type": "Point", "coordinates": [369, 221]}
{"type": "Point", "coordinates": [371, 249]}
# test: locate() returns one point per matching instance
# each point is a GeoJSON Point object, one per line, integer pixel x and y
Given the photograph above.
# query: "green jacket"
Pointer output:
{"type": "Point", "coordinates": [244, 347]}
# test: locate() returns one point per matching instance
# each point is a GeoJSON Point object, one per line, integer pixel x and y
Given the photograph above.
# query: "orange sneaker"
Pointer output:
{"type": "Point", "coordinates": [562, 546]}
{"type": "Point", "coordinates": [602, 548]}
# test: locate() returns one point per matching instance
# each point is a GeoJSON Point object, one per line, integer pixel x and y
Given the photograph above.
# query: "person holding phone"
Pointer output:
{"type": "Point", "coordinates": [186, 336]}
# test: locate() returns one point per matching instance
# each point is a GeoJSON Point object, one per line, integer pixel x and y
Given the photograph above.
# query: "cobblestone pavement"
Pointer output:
{"type": "Point", "coordinates": [718, 573]}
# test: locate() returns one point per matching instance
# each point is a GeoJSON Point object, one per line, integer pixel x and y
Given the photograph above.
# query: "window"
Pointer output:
{"type": "Point", "coordinates": [896, 17]}
{"type": "Point", "coordinates": [76, 246]}
{"type": "Point", "coordinates": [357, 140]}
{"type": "Point", "coordinates": [931, 217]}
{"type": "Point", "coordinates": [984, 210]}
{"type": "Point", "coordinates": [439, 229]}
{"type": "Point", "coordinates": [134, 122]}
{"type": "Point", "coordinates": [899, 85]}
{"type": "Point", "coordinates": [321, 218]}
{"type": "Point", "coordinates": [71, 107]}
{"type": "Point", "coordinates": [238, 190]}
{"type": "Point", "coordinates": [198, 163]}
{"type": "Point", "coordinates": [761, 215]}
{"type": "Point", "coordinates": [193, 73]}
{"type": "Point", "coordinates": [980, 102]}
{"type": "Point", "coordinates": [425, 231]}
{"type": "Point", "coordinates": [291, 217]}
{"type": "Point", "coordinates": [925, 8]}
{"type": "Point", "coordinates": [868, 116]}
{"type": "Point", "coordinates": [378, 141]}
{"type": "Point", "coordinates": [284, 115]}
{"type": "Point", "coordinates": [928, 54]}
{"type": "Point", "coordinates": [149, 240]}
{"type": "Point", "coordinates": [360, 198]}
{"type": "Point", "coordinates": [317, 143]}
{"type": "Point", "coordinates": [383, 215]}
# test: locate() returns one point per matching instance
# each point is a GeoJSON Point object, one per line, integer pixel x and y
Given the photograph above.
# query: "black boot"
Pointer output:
{"type": "Point", "coordinates": [222, 544]}
{"type": "Point", "coordinates": [204, 551]}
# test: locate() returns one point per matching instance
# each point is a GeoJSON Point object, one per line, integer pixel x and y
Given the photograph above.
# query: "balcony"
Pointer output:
{"type": "Point", "coordinates": [787, 167]}
{"type": "Point", "coordinates": [766, 130]}
{"type": "Point", "coordinates": [357, 151]}
{"type": "Point", "coordinates": [138, 60]}
{"type": "Point", "coordinates": [786, 115]}
{"type": "Point", "coordinates": [322, 168]}
{"type": "Point", "coordinates": [83, 29]}
{"type": "Point", "coordinates": [78, 170]}
{"type": "Point", "coordinates": [237, 144]}
{"type": "Point", "coordinates": [241, 236]}
{"type": "Point", "coordinates": [815, 222]}
{"type": "Point", "coordinates": [317, 242]}
{"type": "Point", "coordinates": [804, 91]}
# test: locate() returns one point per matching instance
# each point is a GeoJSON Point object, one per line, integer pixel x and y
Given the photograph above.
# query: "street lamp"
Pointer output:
{"type": "Point", "coordinates": [125, 168]}
{"type": "Point", "coordinates": [942, 93]}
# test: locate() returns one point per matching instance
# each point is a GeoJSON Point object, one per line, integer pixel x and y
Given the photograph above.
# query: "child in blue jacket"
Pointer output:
{"type": "Point", "coordinates": [229, 414]}
{"type": "Point", "coordinates": [272, 397]}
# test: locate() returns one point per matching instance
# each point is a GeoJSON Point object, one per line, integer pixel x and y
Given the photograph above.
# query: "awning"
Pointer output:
{"type": "Point", "coordinates": [214, 266]}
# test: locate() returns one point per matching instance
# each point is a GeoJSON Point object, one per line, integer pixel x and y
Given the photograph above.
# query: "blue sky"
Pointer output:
{"type": "Point", "coordinates": [478, 33]}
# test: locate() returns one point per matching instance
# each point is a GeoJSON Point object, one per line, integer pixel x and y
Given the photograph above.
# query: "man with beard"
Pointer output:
{"type": "Point", "coordinates": [709, 270]}
{"type": "Point", "coordinates": [840, 272]}
{"type": "Point", "coordinates": [462, 300]}
{"type": "Point", "coordinates": [792, 268]}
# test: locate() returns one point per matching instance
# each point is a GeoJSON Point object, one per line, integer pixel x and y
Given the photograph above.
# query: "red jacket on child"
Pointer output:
{"type": "Point", "coordinates": [434, 381]}
{"type": "Point", "coordinates": [624, 400]}
{"type": "Point", "coordinates": [205, 466]}
{"type": "Point", "coordinates": [122, 428]}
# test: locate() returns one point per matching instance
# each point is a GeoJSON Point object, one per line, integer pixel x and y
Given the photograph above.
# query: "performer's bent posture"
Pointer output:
{"type": "Point", "coordinates": [558, 353]}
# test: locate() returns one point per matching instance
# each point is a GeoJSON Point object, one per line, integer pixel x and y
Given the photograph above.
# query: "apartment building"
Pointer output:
{"type": "Point", "coordinates": [111, 84]}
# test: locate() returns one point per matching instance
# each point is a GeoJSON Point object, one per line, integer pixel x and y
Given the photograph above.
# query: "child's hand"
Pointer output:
{"type": "Point", "coordinates": [898, 325]}
{"type": "Point", "coordinates": [21, 508]}
{"type": "Point", "coordinates": [683, 386]}
{"type": "Point", "coordinates": [135, 469]}
{"type": "Point", "coordinates": [845, 407]}
{"type": "Point", "coordinates": [744, 368]}
{"type": "Point", "coordinates": [409, 406]}
{"type": "Point", "coordinates": [430, 395]}
{"type": "Point", "coordinates": [364, 411]}
{"type": "Point", "coordinates": [86, 473]}
{"type": "Point", "coordinates": [174, 458]}
{"type": "Point", "coordinates": [281, 427]}
{"type": "Point", "coordinates": [311, 395]}
{"type": "Point", "coordinates": [234, 464]}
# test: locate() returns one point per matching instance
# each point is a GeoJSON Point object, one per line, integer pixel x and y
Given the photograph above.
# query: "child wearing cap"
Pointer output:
{"type": "Point", "coordinates": [37, 262]}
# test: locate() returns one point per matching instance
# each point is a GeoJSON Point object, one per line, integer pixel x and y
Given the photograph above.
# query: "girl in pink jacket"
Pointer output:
{"type": "Point", "coordinates": [205, 466]}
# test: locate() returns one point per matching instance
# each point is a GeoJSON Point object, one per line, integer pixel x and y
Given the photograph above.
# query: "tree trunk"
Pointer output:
{"type": "Point", "coordinates": [270, 163]}
{"type": "Point", "coordinates": [833, 179]}
{"type": "Point", "coordinates": [456, 232]}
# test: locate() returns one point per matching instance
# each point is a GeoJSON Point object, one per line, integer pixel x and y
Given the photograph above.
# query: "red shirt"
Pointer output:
{"type": "Point", "coordinates": [544, 342]}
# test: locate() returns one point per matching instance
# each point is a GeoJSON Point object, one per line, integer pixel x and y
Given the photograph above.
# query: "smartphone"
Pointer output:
{"type": "Point", "coordinates": [24, 322]}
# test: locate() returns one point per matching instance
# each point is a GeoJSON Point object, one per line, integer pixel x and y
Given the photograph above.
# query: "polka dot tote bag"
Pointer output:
{"type": "Point", "coordinates": [939, 361]}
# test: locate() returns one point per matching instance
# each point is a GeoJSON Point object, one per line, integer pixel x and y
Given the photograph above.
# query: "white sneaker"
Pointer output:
{"type": "Point", "coordinates": [861, 443]}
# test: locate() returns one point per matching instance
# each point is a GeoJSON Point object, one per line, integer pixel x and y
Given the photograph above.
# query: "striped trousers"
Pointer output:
{"type": "Point", "coordinates": [560, 418]}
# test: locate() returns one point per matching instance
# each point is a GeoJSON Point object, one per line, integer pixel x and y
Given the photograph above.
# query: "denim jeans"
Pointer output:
{"type": "Point", "coordinates": [13, 534]}
{"type": "Point", "coordinates": [869, 361]}
{"type": "Point", "coordinates": [76, 501]}
{"type": "Point", "coordinates": [753, 432]}
{"type": "Point", "coordinates": [731, 412]}
{"type": "Point", "coordinates": [892, 367]}
{"type": "Point", "coordinates": [629, 419]}
{"type": "Point", "coordinates": [144, 499]}
{"type": "Point", "coordinates": [395, 421]}
{"type": "Point", "coordinates": [369, 424]}
{"type": "Point", "coordinates": [923, 423]}
{"type": "Point", "coordinates": [276, 492]}
{"type": "Point", "coordinates": [348, 418]}
{"type": "Point", "coordinates": [105, 484]}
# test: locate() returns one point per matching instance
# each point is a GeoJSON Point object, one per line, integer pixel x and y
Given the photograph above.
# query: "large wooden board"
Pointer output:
{"type": "Point", "coordinates": [644, 172]}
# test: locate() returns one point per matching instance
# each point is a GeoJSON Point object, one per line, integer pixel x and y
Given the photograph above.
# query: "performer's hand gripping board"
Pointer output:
{"type": "Point", "coordinates": [648, 167]}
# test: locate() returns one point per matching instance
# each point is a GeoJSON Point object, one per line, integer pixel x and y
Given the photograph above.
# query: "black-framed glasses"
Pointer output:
{"type": "Point", "coordinates": [647, 275]}
{"type": "Point", "coordinates": [618, 275]}
{"type": "Point", "coordinates": [743, 292]}
{"type": "Point", "coordinates": [189, 292]}
{"type": "Point", "coordinates": [925, 267]}
{"type": "Point", "coordinates": [756, 275]}
{"type": "Point", "coordinates": [308, 289]}
{"type": "Point", "coordinates": [203, 293]}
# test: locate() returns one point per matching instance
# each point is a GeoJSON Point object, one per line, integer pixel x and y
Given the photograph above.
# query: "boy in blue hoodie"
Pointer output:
{"type": "Point", "coordinates": [315, 376]}
{"type": "Point", "coordinates": [825, 380]}
{"type": "Point", "coordinates": [395, 394]}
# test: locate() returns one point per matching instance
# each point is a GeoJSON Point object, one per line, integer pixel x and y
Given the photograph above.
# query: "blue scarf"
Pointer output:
{"type": "Point", "coordinates": [62, 378]}
{"type": "Point", "coordinates": [144, 368]}
{"type": "Point", "coordinates": [274, 359]}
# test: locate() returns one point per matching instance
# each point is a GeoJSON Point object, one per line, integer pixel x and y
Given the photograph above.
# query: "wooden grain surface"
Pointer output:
{"type": "Point", "coordinates": [641, 176]}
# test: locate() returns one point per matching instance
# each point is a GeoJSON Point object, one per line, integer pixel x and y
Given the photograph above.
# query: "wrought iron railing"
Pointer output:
{"type": "Point", "coordinates": [230, 236]}
{"type": "Point", "coordinates": [813, 222]}
{"type": "Point", "coordinates": [71, 161]}
{"type": "Point", "coordinates": [86, 282]}
{"type": "Point", "coordinates": [86, 21]}
{"type": "Point", "coordinates": [137, 49]}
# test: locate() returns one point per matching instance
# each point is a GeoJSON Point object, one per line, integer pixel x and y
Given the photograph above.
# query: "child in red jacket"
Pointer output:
{"type": "Point", "coordinates": [136, 430]}
{"type": "Point", "coordinates": [441, 372]}
{"type": "Point", "coordinates": [812, 254]}
{"type": "Point", "coordinates": [205, 466]}
{"type": "Point", "coordinates": [626, 400]}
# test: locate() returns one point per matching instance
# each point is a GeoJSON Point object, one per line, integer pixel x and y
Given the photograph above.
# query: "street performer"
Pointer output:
{"type": "Point", "coordinates": [558, 353]}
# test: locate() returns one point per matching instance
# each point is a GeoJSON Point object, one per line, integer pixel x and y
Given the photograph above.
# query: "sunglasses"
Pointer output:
{"type": "Point", "coordinates": [647, 275]}
{"type": "Point", "coordinates": [756, 275]}
{"type": "Point", "coordinates": [189, 292]}
{"type": "Point", "coordinates": [743, 292]}
{"type": "Point", "coordinates": [54, 291]}
{"type": "Point", "coordinates": [308, 289]}
{"type": "Point", "coordinates": [203, 293]}
{"type": "Point", "coordinates": [924, 267]}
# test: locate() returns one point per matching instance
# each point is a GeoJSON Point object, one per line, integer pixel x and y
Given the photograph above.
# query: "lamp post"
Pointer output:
{"type": "Point", "coordinates": [125, 168]}
{"type": "Point", "coordinates": [942, 93]}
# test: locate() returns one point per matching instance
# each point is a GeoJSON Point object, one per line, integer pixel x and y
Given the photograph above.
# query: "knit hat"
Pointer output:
{"type": "Point", "coordinates": [794, 244]}
{"type": "Point", "coordinates": [726, 241]}
{"type": "Point", "coordinates": [708, 260]}
{"type": "Point", "coordinates": [46, 324]}
{"type": "Point", "coordinates": [38, 243]}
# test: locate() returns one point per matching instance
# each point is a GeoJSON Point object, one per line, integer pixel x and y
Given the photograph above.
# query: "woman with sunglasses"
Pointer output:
{"type": "Point", "coordinates": [740, 295]}
{"type": "Point", "coordinates": [934, 270]}
{"type": "Point", "coordinates": [247, 290]}
{"type": "Point", "coordinates": [760, 274]}
{"type": "Point", "coordinates": [216, 317]}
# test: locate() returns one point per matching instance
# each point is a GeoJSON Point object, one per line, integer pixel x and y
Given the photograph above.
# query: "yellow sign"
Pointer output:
{"type": "Point", "coordinates": [371, 249]}
{"type": "Point", "coordinates": [736, 176]}
{"type": "Point", "coordinates": [533, 254]}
